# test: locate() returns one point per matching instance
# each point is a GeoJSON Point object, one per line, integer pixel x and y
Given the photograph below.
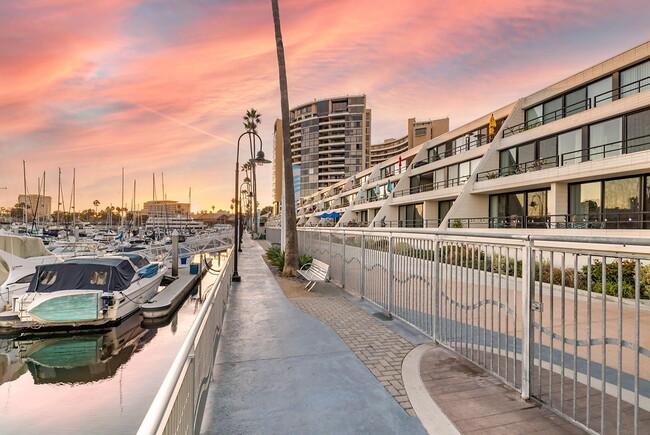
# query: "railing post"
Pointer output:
{"type": "Point", "coordinates": [343, 261]}
{"type": "Point", "coordinates": [362, 278]}
{"type": "Point", "coordinates": [528, 275]}
{"type": "Point", "coordinates": [329, 250]}
{"type": "Point", "coordinates": [391, 275]}
{"type": "Point", "coordinates": [436, 290]}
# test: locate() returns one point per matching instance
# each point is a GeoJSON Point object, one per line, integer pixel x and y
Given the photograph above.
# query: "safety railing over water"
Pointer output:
{"type": "Point", "coordinates": [563, 319]}
{"type": "Point", "coordinates": [176, 407]}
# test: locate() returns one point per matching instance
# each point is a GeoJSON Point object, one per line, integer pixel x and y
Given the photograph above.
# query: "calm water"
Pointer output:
{"type": "Point", "coordinates": [100, 382]}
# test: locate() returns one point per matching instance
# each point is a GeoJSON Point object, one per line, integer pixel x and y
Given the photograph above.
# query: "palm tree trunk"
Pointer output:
{"type": "Point", "coordinates": [291, 233]}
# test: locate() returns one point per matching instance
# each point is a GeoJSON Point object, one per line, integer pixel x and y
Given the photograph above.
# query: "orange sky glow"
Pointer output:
{"type": "Point", "coordinates": [160, 86]}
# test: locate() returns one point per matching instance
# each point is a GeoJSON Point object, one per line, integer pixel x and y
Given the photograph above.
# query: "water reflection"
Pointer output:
{"type": "Point", "coordinates": [78, 358]}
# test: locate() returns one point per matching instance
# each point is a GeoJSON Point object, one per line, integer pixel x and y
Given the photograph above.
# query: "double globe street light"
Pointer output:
{"type": "Point", "coordinates": [258, 159]}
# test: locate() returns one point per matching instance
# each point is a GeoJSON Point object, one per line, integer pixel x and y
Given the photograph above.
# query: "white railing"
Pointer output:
{"type": "Point", "coordinates": [175, 409]}
{"type": "Point", "coordinates": [529, 309]}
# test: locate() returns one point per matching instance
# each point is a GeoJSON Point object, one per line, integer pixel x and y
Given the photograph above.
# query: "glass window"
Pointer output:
{"type": "Point", "coordinates": [507, 157]}
{"type": "Point", "coordinates": [638, 131]}
{"type": "Point", "coordinates": [600, 92]}
{"type": "Point", "coordinates": [420, 131]}
{"type": "Point", "coordinates": [548, 151]}
{"type": "Point", "coordinates": [526, 153]}
{"type": "Point", "coordinates": [635, 79]}
{"type": "Point", "coordinates": [443, 208]}
{"type": "Point", "coordinates": [47, 277]}
{"type": "Point", "coordinates": [569, 147]}
{"type": "Point", "coordinates": [440, 178]}
{"type": "Point", "coordinates": [622, 202]}
{"type": "Point", "coordinates": [575, 102]}
{"type": "Point", "coordinates": [553, 110]}
{"type": "Point", "coordinates": [605, 139]}
{"type": "Point", "coordinates": [453, 174]}
{"type": "Point", "coordinates": [474, 164]}
{"type": "Point", "coordinates": [536, 203]}
{"type": "Point", "coordinates": [98, 278]}
{"type": "Point", "coordinates": [463, 170]}
{"type": "Point", "coordinates": [410, 216]}
{"type": "Point", "coordinates": [25, 279]}
{"type": "Point", "coordinates": [585, 201]}
{"type": "Point", "coordinates": [534, 116]}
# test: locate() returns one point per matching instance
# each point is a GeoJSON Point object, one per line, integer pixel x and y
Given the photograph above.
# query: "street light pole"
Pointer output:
{"type": "Point", "coordinates": [255, 159]}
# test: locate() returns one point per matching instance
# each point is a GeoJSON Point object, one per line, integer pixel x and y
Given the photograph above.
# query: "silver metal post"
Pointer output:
{"type": "Point", "coordinates": [391, 275]}
{"type": "Point", "coordinates": [436, 290]}
{"type": "Point", "coordinates": [362, 278]}
{"type": "Point", "coordinates": [175, 253]}
{"type": "Point", "coordinates": [528, 271]}
{"type": "Point", "coordinates": [343, 265]}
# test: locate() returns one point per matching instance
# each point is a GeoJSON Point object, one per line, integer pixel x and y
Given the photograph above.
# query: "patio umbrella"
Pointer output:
{"type": "Point", "coordinates": [335, 215]}
{"type": "Point", "coordinates": [377, 190]}
{"type": "Point", "coordinates": [389, 186]}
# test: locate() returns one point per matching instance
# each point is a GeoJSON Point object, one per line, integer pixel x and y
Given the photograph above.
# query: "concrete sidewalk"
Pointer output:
{"type": "Point", "coordinates": [279, 370]}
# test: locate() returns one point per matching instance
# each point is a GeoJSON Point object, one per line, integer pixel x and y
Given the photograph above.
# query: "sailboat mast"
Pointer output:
{"type": "Point", "coordinates": [122, 207]}
{"type": "Point", "coordinates": [25, 201]}
{"type": "Point", "coordinates": [58, 201]}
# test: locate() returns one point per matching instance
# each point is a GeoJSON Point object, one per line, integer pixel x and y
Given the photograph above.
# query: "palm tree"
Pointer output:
{"type": "Point", "coordinates": [291, 233]}
{"type": "Point", "coordinates": [251, 120]}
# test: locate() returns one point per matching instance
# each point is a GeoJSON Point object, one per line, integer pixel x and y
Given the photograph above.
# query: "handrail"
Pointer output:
{"type": "Point", "coordinates": [162, 401]}
{"type": "Point", "coordinates": [570, 157]}
{"type": "Point", "coordinates": [456, 149]}
{"type": "Point", "coordinates": [596, 220]}
{"type": "Point", "coordinates": [580, 106]}
{"type": "Point", "coordinates": [458, 181]}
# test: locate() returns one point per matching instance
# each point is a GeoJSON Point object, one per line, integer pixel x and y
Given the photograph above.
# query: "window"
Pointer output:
{"type": "Point", "coordinates": [519, 209]}
{"type": "Point", "coordinates": [553, 110]}
{"type": "Point", "coordinates": [420, 131]}
{"type": "Point", "coordinates": [576, 101]}
{"type": "Point", "coordinates": [443, 208]}
{"type": "Point", "coordinates": [638, 131]}
{"type": "Point", "coordinates": [98, 278]}
{"type": "Point", "coordinates": [635, 79]}
{"type": "Point", "coordinates": [622, 202]}
{"type": "Point", "coordinates": [508, 158]}
{"type": "Point", "coordinates": [569, 147]}
{"type": "Point", "coordinates": [585, 201]}
{"type": "Point", "coordinates": [534, 116]}
{"type": "Point", "coordinates": [25, 279]}
{"type": "Point", "coordinates": [47, 277]}
{"type": "Point", "coordinates": [605, 139]}
{"type": "Point", "coordinates": [410, 216]}
{"type": "Point", "coordinates": [526, 153]}
{"type": "Point", "coordinates": [600, 92]}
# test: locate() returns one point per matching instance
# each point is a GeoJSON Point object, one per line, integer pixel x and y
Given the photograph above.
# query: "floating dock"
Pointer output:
{"type": "Point", "coordinates": [174, 294]}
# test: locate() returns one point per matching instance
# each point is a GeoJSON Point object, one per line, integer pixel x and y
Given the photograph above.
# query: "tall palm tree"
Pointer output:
{"type": "Point", "coordinates": [251, 120]}
{"type": "Point", "coordinates": [291, 233]}
{"type": "Point", "coordinates": [96, 204]}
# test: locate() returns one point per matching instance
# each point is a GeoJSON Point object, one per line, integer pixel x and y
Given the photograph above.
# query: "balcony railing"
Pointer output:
{"type": "Point", "coordinates": [432, 186]}
{"type": "Point", "coordinates": [398, 171]}
{"type": "Point", "coordinates": [414, 223]}
{"type": "Point", "coordinates": [628, 146]}
{"type": "Point", "coordinates": [580, 106]}
{"type": "Point", "coordinates": [457, 149]}
{"type": "Point", "coordinates": [606, 220]}
{"type": "Point", "coordinates": [371, 199]}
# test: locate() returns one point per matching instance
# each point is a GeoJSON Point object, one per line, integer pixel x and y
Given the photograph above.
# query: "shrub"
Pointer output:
{"type": "Point", "coordinates": [304, 259]}
{"type": "Point", "coordinates": [275, 256]}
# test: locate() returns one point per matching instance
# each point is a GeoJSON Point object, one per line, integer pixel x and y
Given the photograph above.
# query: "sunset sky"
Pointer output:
{"type": "Point", "coordinates": [160, 86]}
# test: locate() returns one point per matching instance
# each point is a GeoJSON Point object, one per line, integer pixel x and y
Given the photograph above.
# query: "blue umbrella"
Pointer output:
{"type": "Point", "coordinates": [377, 191]}
{"type": "Point", "coordinates": [335, 215]}
{"type": "Point", "coordinates": [362, 194]}
{"type": "Point", "coordinates": [324, 215]}
{"type": "Point", "coordinates": [389, 186]}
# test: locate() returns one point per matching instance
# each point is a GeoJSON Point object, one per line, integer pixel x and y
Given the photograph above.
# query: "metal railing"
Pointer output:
{"type": "Point", "coordinates": [580, 106]}
{"type": "Point", "coordinates": [456, 149]}
{"type": "Point", "coordinates": [411, 223]}
{"type": "Point", "coordinates": [621, 220]}
{"type": "Point", "coordinates": [627, 146]}
{"type": "Point", "coordinates": [528, 311]}
{"type": "Point", "coordinates": [459, 181]}
{"type": "Point", "coordinates": [175, 409]}
{"type": "Point", "coordinates": [389, 174]}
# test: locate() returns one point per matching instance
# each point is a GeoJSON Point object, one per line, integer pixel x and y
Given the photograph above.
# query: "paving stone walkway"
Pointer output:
{"type": "Point", "coordinates": [379, 348]}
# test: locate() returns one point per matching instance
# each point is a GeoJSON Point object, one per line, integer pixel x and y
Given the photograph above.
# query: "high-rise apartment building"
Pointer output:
{"type": "Point", "coordinates": [417, 134]}
{"type": "Point", "coordinates": [330, 141]}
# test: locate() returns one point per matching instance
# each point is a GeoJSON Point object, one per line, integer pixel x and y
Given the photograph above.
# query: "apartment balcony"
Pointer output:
{"type": "Point", "coordinates": [416, 223]}
{"type": "Point", "coordinates": [448, 152]}
{"type": "Point", "coordinates": [580, 106]}
{"type": "Point", "coordinates": [392, 173]}
{"type": "Point", "coordinates": [610, 220]}
{"type": "Point", "coordinates": [432, 186]}
{"type": "Point", "coordinates": [612, 149]}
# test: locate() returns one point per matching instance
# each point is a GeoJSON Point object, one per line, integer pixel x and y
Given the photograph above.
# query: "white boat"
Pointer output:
{"type": "Point", "coordinates": [85, 291]}
{"type": "Point", "coordinates": [19, 256]}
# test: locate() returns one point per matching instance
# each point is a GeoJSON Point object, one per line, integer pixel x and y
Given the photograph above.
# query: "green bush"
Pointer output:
{"type": "Point", "coordinates": [276, 257]}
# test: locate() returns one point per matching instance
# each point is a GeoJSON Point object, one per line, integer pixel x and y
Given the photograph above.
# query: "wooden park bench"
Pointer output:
{"type": "Point", "coordinates": [317, 272]}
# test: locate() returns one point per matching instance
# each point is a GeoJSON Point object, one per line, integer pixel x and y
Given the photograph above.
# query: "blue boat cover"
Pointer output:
{"type": "Point", "coordinates": [106, 274]}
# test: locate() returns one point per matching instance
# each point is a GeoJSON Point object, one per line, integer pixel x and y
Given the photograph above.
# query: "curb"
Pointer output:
{"type": "Point", "coordinates": [430, 415]}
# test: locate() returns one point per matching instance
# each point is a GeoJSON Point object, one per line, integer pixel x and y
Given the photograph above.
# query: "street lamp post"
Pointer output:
{"type": "Point", "coordinates": [241, 215]}
{"type": "Point", "coordinates": [255, 159]}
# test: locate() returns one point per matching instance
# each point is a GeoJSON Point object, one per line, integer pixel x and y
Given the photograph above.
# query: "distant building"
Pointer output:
{"type": "Point", "coordinates": [40, 202]}
{"type": "Point", "coordinates": [164, 208]}
{"type": "Point", "coordinates": [417, 134]}
{"type": "Point", "coordinates": [219, 217]}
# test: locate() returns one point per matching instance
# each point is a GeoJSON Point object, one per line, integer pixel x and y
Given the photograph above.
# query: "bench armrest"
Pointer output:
{"type": "Point", "coordinates": [303, 266]}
